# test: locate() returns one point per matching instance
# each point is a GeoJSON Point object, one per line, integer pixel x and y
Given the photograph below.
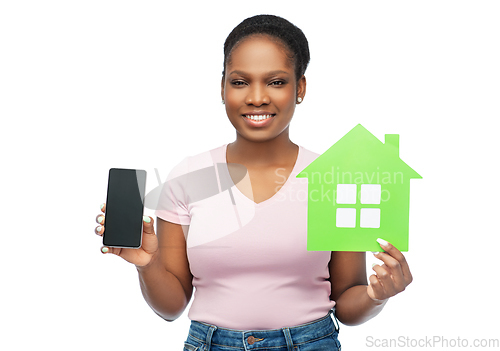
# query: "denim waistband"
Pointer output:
{"type": "Point", "coordinates": [258, 339]}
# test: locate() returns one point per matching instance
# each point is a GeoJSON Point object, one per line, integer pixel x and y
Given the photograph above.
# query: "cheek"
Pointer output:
{"type": "Point", "coordinates": [285, 99]}
{"type": "Point", "coordinates": [234, 99]}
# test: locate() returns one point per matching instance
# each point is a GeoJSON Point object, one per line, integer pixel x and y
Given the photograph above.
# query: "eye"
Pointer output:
{"type": "Point", "coordinates": [237, 82]}
{"type": "Point", "coordinates": [277, 82]}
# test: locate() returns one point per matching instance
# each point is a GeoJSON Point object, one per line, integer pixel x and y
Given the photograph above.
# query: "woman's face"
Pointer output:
{"type": "Point", "coordinates": [260, 90]}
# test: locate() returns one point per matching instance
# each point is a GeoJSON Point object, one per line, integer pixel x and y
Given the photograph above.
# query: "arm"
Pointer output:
{"type": "Point", "coordinates": [356, 301]}
{"type": "Point", "coordinates": [166, 282]}
{"type": "Point", "coordinates": [349, 288]}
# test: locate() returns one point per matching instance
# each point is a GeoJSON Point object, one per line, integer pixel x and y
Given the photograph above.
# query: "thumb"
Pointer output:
{"type": "Point", "coordinates": [147, 225]}
{"type": "Point", "coordinates": [149, 239]}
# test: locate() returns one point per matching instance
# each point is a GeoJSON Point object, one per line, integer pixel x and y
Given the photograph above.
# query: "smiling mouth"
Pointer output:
{"type": "Point", "coordinates": [259, 117]}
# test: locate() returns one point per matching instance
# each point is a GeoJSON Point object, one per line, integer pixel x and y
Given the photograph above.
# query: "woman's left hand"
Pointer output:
{"type": "Point", "coordinates": [392, 277]}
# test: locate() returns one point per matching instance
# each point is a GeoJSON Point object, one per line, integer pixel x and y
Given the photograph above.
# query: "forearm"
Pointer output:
{"type": "Point", "coordinates": [162, 290]}
{"type": "Point", "coordinates": [355, 307]}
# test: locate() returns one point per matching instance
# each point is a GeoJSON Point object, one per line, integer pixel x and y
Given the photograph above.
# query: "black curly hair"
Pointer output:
{"type": "Point", "coordinates": [275, 27]}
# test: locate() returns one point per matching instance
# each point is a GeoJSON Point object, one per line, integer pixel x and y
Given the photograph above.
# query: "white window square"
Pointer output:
{"type": "Point", "coordinates": [369, 218]}
{"type": "Point", "coordinates": [370, 193]}
{"type": "Point", "coordinates": [346, 217]}
{"type": "Point", "coordinates": [346, 193]}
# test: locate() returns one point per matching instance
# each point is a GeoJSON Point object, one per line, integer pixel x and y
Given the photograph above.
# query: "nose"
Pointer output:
{"type": "Point", "coordinates": [257, 96]}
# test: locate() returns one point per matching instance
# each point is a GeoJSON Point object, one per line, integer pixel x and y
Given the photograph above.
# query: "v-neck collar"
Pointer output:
{"type": "Point", "coordinates": [283, 188]}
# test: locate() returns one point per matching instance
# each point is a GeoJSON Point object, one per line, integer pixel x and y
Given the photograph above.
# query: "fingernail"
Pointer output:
{"type": "Point", "coordinates": [99, 229]}
{"type": "Point", "coordinates": [100, 219]}
{"type": "Point", "coordinates": [382, 242]}
{"type": "Point", "coordinates": [375, 253]}
{"type": "Point", "coordinates": [146, 219]}
{"type": "Point", "coordinates": [104, 249]}
{"type": "Point", "coordinates": [102, 206]}
{"type": "Point", "coordinates": [373, 265]}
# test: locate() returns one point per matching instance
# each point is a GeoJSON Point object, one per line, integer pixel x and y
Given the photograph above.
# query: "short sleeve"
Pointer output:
{"type": "Point", "coordinates": [172, 203]}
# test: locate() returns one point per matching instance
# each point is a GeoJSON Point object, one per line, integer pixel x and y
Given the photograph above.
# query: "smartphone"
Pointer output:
{"type": "Point", "coordinates": [124, 208]}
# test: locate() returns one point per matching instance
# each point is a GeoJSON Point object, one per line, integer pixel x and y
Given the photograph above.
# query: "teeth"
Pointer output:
{"type": "Point", "coordinates": [258, 117]}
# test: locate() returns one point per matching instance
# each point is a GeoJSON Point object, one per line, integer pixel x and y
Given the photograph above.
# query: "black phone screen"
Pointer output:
{"type": "Point", "coordinates": [124, 208]}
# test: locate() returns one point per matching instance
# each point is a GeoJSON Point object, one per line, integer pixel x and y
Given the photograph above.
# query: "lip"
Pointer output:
{"type": "Point", "coordinates": [260, 124]}
{"type": "Point", "coordinates": [258, 113]}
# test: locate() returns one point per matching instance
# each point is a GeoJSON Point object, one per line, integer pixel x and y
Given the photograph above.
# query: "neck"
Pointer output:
{"type": "Point", "coordinates": [270, 152]}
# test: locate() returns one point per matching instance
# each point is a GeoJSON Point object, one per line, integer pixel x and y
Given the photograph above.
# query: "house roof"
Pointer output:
{"type": "Point", "coordinates": [360, 151]}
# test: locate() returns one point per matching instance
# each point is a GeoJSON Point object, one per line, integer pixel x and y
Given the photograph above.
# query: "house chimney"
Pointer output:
{"type": "Point", "coordinates": [392, 142]}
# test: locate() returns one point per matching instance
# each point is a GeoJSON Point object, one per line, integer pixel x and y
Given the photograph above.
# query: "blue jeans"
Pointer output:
{"type": "Point", "coordinates": [318, 335]}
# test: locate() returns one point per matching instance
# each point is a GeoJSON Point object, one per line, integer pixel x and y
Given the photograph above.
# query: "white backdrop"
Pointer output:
{"type": "Point", "coordinates": [89, 85]}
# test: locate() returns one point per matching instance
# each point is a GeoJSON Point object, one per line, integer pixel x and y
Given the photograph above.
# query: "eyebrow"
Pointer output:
{"type": "Point", "coordinates": [269, 73]}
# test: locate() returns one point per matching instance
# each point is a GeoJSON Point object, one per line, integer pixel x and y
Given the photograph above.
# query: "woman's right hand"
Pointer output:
{"type": "Point", "coordinates": [140, 257]}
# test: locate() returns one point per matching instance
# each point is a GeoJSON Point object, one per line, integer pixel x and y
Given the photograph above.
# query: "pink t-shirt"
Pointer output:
{"type": "Point", "coordinates": [250, 264]}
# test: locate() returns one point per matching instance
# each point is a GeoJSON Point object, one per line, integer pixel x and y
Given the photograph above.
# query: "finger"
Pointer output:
{"type": "Point", "coordinates": [112, 250]}
{"type": "Point", "coordinates": [385, 278]}
{"type": "Point", "coordinates": [100, 219]}
{"type": "Point", "coordinates": [394, 252]}
{"type": "Point", "coordinates": [149, 241]}
{"type": "Point", "coordinates": [378, 289]}
{"type": "Point", "coordinates": [99, 230]}
{"type": "Point", "coordinates": [147, 225]}
{"type": "Point", "coordinates": [103, 207]}
{"type": "Point", "coordinates": [394, 268]}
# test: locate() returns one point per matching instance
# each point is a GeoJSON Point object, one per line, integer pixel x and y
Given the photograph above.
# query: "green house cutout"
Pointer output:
{"type": "Point", "coordinates": [358, 191]}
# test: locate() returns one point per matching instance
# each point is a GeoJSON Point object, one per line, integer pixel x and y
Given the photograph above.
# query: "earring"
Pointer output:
{"type": "Point", "coordinates": [223, 102]}
{"type": "Point", "coordinates": [299, 100]}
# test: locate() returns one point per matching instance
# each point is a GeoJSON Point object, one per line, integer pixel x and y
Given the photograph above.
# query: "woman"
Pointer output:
{"type": "Point", "coordinates": [257, 286]}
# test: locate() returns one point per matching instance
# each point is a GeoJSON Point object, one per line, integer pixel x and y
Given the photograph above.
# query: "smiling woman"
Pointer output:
{"type": "Point", "coordinates": [260, 89]}
{"type": "Point", "coordinates": [265, 58]}
{"type": "Point", "coordinates": [245, 250]}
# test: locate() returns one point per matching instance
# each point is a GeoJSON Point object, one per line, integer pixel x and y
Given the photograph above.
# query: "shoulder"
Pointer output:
{"type": "Point", "coordinates": [198, 161]}
{"type": "Point", "coordinates": [307, 156]}
{"type": "Point", "coordinates": [308, 153]}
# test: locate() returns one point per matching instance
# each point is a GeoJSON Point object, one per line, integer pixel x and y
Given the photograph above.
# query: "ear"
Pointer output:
{"type": "Point", "coordinates": [222, 88]}
{"type": "Point", "coordinates": [301, 87]}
